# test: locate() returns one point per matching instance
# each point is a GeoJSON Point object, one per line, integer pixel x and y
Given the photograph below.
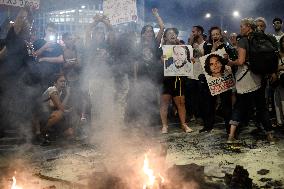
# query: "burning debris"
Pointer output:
{"type": "Point", "coordinates": [90, 167]}
{"type": "Point", "coordinates": [14, 184]}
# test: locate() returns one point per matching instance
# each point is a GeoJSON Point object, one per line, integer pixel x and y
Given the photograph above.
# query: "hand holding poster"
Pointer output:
{"type": "Point", "coordinates": [121, 11]}
{"type": "Point", "coordinates": [219, 76]}
{"type": "Point", "coordinates": [177, 60]}
{"type": "Point", "coordinates": [21, 3]}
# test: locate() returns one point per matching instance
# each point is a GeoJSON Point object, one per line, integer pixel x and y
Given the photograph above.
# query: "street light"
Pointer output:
{"type": "Point", "coordinates": [207, 15]}
{"type": "Point", "coordinates": [235, 14]}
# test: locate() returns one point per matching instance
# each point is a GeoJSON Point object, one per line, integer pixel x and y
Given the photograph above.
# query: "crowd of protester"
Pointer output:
{"type": "Point", "coordinates": [53, 89]}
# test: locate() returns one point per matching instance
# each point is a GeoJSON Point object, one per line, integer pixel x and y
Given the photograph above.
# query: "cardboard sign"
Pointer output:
{"type": "Point", "coordinates": [21, 3]}
{"type": "Point", "coordinates": [219, 76]}
{"type": "Point", "coordinates": [177, 60]}
{"type": "Point", "coordinates": [121, 11]}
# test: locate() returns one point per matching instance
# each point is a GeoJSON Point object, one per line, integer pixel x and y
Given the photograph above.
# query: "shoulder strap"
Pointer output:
{"type": "Point", "coordinates": [243, 75]}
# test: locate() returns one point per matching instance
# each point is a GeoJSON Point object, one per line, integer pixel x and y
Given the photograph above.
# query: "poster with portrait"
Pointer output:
{"type": "Point", "coordinates": [121, 11]}
{"type": "Point", "coordinates": [219, 76]}
{"type": "Point", "coordinates": [177, 60]}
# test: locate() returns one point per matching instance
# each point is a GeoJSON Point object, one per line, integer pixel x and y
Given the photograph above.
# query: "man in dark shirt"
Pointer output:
{"type": "Point", "coordinates": [49, 55]}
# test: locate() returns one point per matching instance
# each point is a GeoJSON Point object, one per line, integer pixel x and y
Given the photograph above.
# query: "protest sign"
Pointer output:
{"type": "Point", "coordinates": [121, 11]}
{"type": "Point", "coordinates": [177, 60]}
{"type": "Point", "coordinates": [21, 3]}
{"type": "Point", "coordinates": [219, 76]}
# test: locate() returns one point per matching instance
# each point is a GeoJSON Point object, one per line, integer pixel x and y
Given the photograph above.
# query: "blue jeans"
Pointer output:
{"type": "Point", "coordinates": [257, 99]}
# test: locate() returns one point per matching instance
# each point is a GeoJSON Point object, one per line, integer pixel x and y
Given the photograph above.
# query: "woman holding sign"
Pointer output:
{"type": "Point", "coordinates": [173, 87]}
{"type": "Point", "coordinates": [215, 68]}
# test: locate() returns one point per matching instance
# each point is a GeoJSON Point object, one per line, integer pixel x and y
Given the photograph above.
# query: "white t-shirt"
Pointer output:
{"type": "Point", "coordinates": [278, 37]}
{"type": "Point", "coordinates": [249, 83]}
{"type": "Point", "coordinates": [197, 68]}
{"type": "Point", "coordinates": [47, 102]}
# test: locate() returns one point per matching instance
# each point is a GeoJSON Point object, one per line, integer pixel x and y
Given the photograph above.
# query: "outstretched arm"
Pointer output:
{"type": "Point", "coordinates": [97, 19]}
{"type": "Point", "coordinates": [111, 35]}
{"type": "Point", "coordinates": [161, 25]}
{"type": "Point", "coordinates": [88, 35]}
{"type": "Point", "coordinates": [54, 60]}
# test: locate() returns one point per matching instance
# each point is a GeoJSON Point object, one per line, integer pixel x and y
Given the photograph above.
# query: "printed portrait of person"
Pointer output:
{"type": "Point", "coordinates": [179, 64]}
{"type": "Point", "coordinates": [215, 65]}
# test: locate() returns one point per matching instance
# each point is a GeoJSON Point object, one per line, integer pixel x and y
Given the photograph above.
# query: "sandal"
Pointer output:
{"type": "Point", "coordinates": [186, 128]}
{"type": "Point", "coordinates": [164, 129]}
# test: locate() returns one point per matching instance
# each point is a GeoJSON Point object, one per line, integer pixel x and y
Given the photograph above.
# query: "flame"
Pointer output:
{"type": "Point", "coordinates": [14, 186]}
{"type": "Point", "coordinates": [162, 178]}
{"type": "Point", "coordinates": [149, 172]}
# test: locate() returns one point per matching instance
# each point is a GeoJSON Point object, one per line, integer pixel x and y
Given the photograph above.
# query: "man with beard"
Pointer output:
{"type": "Point", "coordinates": [180, 62]}
{"type": "Point", "coordinates": [196, 40]}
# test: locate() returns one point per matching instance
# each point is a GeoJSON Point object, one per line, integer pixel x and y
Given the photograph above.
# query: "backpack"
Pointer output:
{"type": "Point", "coordinates": [263, 53]}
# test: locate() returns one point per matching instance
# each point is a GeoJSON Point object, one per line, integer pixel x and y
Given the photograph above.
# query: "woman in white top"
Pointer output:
{"type": "Point", "coordinates": [249, 86]}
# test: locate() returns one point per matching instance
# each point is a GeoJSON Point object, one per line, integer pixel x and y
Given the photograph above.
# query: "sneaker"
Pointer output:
{"type": "Point", "coordinates": [186, 128]}
{"type": "Point", "coordinates": [164, 129]}
{"type": "Point", "coordinates": [83, 117]}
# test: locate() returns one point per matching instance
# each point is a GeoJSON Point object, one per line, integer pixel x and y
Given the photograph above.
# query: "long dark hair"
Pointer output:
{"type": "Point", "coordinates": [143, 30]}
{"type": "Point", "coordinates": [57, 76]}
{"type": "Point", "coordinates": [166, 31]}
{"type": "Point", "coordinates": [153, 40]}
{"type": "Point", "coordinates": [210, 35]}
{"type": "Point", "coordinates": [207, 63]}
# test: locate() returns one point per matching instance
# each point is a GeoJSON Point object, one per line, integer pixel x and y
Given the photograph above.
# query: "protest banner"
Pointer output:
{"type": "Point", "coordinates": [177, 60]}
{"type": "Point", "coordinates": [121, 11]}
{"type": "Point", "coordinates": [21, 3]}
{"type": "Point", "coordinates": [219, 76]}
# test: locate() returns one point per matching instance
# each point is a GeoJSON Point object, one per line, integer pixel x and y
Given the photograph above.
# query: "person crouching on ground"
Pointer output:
{"type": "Point", "coordinates": [53, 107]}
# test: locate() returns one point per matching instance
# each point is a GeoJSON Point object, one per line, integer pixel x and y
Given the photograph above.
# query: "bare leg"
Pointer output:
{"type": "Point", "coordinates": [233, 130]}
{"type": "Point", "coordinates": [180, 103]}
{"type": "Point", "coordinates": [54, 118]}
{"type": "Point", "coordinates": [232, 134]}
{"type": "Point", "coordinates": [165, 100]}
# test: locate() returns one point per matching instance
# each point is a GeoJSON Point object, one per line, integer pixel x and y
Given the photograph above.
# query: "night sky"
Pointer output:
{"type": "Point", "coordinates": [183, 14]}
